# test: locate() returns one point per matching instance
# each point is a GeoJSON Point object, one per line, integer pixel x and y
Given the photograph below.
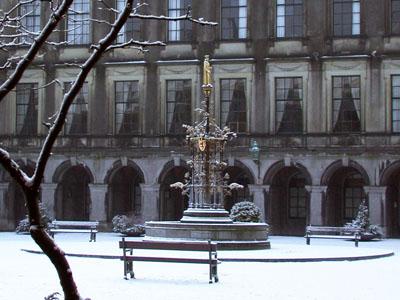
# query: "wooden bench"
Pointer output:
{"type": "Point", "coordinates": [75, 227]}
{"type": "Point", "coordinates": [328, 232]}
{"type": "Point", "coordinates": [128, 257]}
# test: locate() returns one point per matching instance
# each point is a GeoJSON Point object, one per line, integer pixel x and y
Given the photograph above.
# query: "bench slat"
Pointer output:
{"type": "Point", "coordinates": [171, 259]}
{"type": "Point", "coordinates": [73, 230]}
{"type": "Point", "coordinates": [155, 245]}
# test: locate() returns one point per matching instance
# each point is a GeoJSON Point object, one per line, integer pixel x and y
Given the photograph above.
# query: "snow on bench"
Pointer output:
{"type": "Point", "coordinates": [329, 232]}
{"type": "Point", "coordinates": [75, 227]}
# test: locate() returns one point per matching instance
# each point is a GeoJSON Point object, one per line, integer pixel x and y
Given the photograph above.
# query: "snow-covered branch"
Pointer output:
{"type": "Point", "coordinates": [13, 168]}
{"type": "Point", "coordinates": [187, 16]}
{"type": "Point", "coordinates": [139, 45]}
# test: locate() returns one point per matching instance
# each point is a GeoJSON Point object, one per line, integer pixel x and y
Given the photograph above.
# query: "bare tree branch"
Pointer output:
{"type": "Point", "coordinates": [14, 169]}
{"type": "Point", "coordinates": [187, 16]}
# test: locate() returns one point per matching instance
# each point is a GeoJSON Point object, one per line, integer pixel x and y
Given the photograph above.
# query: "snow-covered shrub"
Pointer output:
{"type": "Point", "coordinates": [245, 211]}
{"type": "Point", "coordinates": [23, 225]}
{"type": "Point", "coordinates": [123, 224]}
{"type": "Point", "coordinates": [362, 221]}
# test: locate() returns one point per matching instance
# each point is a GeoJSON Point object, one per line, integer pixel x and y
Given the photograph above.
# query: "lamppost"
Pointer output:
{"type": "Point", "coordinates": [255, 155]}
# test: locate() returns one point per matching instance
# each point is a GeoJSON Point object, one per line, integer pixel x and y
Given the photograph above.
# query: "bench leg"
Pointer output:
{"type": "Point", "coordinates": [213, 273]}
{"type": "Point", "coordinates": [308, 240]}
{"type": "Point", "coordinates": [356, 242]}
{"type": "Point", "coordinates": [128, 269]}
{"type": "Point", "coordinates": [92, 237]}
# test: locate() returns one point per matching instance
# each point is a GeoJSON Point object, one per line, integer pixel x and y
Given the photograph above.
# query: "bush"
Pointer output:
{"type": "Point", "coordinates": [23, 225]}
{"type": "Point", "coordinates": [123, 224]}
{"type": "Point", "coordinates": [245, 212]}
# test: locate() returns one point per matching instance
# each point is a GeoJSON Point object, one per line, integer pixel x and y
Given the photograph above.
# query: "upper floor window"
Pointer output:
{"type": "Point", "coordinates": [77, 117]}
{"type": "Point", "coordinates": [78, 24]}
{"type": "Point", "coordinates": [346, 17]}
{"type": "Point", "coordinates": [127, 109]}
{"type": "Point", "coordinates": [179, 30]}
{"type": "Point", "coordinates": [289, 105]}
{"type": "Point", "coordinates": [30, 22]}
{"type": "Point", "coordinates": [346, 104]}
{"type": "Point", "coordinates": [233, 19]}
{"type": "Point", "coordinates": [27, 108]}
{"type": "Point", "coordinates": [289, 18]}
{"type": "Point", "coordinates": [233, 111]}
{"type": "Point", "coordinates": [396, 103]}
{"type": "Point", "coordinates": [179, 103]}
{"type": "Point", "coordinates": [395, 17]}
{"type": "Point", "coordinates": [132, 28]}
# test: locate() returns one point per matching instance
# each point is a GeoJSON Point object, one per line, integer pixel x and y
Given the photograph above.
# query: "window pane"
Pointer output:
{"type": "Point", "coordinates": [289, 18]}
{"type": "Point", "coordinates": [233, 19]}
{"type": "Point", "coordinates": [127, 108]}
{"type": "Point", "coordinates": [233, 104]}
{"type": "Point", "coordinates": [26, 108]}
{"type": "Point", "coordinates": [78, 26]}
{"type": "Point", "coordinates": [179, 30]}
{"type": "Point", "coordinates": [77, 120]}
{"type": "Point", "coordinates": [179, 103]}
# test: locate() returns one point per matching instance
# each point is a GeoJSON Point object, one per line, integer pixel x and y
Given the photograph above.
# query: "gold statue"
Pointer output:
{"type": "Point", "coordinates": [207, 70]}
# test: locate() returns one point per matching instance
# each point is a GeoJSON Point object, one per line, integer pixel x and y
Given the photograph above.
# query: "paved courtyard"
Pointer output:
{"type": "Point", "coordinates": [31, 276]}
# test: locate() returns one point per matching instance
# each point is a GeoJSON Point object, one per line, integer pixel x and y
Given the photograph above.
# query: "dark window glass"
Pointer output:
{"type": "Point", "coordinates": [289, 18]}
{"type": "Point", "coordinates": [346, 103]}
{"type": "Point", "coordinates": [26, 108]}
{"type": "Point", "coordinates": [233, 104]}
{"type": "Point", "coordinates": [77, 117]}
{"type": "Point", "coordinates": [297, 197]}
{"type": "Point", "coordinates": [132, 28]}
{"type": "Point", "coordinates": [396, 103]}
{"type": "Point", "coordinates": [30, 22]}
{"type": "Point", "coordinates": [234, 19]}
{"type": "Point", "coordinates": [127, 108]}
{"type": "Point", "coordinates": [179, 103]}
{"type": "Point", "coordinates": [346, 17]}
{"type": "Point", "coordinates": [395, 17]}
{"type": "Point", "coordinates": [179, 30]}
{"type": "Point", "coordinates": [78, 25]}
{"type": "Point", "coordinates": [289, 105]}
{"type": "Point", "coordinates": [353, 195]}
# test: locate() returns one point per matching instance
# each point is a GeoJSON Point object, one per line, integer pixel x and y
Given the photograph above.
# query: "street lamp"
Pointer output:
{"type": "Point", "coordinates": [255, 154]}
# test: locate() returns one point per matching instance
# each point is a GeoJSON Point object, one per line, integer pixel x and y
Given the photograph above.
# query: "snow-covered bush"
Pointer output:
{"type": "Point", "coordinates": [362, 221]}
{"type": "Point", "coordinates": [123, 224]}
{"type": "Point", "coordinates": [23, 225]}
{"type": "Point", "coordinates": [245, 211]}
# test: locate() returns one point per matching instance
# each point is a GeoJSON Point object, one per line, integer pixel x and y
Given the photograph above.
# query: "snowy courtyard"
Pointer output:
{"type": "Point", "coordinates": [31, 276]}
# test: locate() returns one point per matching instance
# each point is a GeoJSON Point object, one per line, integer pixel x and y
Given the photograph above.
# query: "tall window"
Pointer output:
{"type": "Point", "coordinates": [289, 104]}
{"type": "Point", "coordinates": [289, 18]}
{"type": "Point", "coordinates": [127, 109]}
{"type": "Point", "coordinates": [297, 197]}
{"type": "Point", "coordinates": [353, 195]}
{"type": "Point", "coordinates": [233, 104]}
{"type": "Point", "coordinates": [234, 19]}
{"type": "Point", "coordinates": [179, 30]}
{"type": "Point", "coordinates": [30, 13]}
{"type": "Point", "coordinates": [27, 108]}
{"type": "Point", "coordinates": [396, 103]}
{"type": "Point", "coordinates": [78, 25]}
{"type": "Point", "coordinates": [132, 27]}
{"type": "Point", "coordinates": [395, 17]}
{"type": "Point", "coordinates": [77, 118]}
{"type": "Point", "coordinates": [179, 99]}
{"type": "Point", "coordinates": [346, 17]}
{"type": "Point", "coordinates": [346, 103]}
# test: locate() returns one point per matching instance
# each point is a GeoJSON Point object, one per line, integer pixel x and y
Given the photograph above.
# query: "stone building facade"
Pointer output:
{"type": "Point", "coordinates": [315, 83]}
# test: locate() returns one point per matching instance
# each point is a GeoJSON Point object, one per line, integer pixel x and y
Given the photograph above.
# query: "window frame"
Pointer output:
{"type": "Point", "coordinates": [79, 33]}
{"type": "Point", "coordinates": [132, 22]}
{"type": "Point", "coordinates": [182, 27]}
{"type": "Point", "coordinates": [246, 19]}
{"type": "Point", "coordinates": [392, 32]}
{"type": "Point", "coordinates": [392, 109]}
{"type": "Point", "coordinates": [359, 13]}
{"type": "Point", "coordinates": [284, 16]}
{"type": "Point", "coordinates": [35, 9]}
{"type": "Point", "coordinates": [85, 90]}
{"type": "Point", "coordinates": [33, 86]}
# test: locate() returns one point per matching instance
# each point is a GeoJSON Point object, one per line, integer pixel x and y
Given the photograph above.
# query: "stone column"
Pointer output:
{"type": "Point", "coordinates": [3, 206]}
{"type": "Point", "coordinates": [47, 196]}
{"type": "Point", "coordinates": [316, 197]}
{"type": "Point", "coordinates": [376, 205]}
{"type": "Point", "coordinates": [98, 201]}
{"type": "Point", "coordinates": [150, 203]}
{"type": "Point", "coordinates": [257, 191]}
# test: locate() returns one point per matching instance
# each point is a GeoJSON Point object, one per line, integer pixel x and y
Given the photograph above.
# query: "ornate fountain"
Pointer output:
{"type": "Point", "coordinates": [206, 218]}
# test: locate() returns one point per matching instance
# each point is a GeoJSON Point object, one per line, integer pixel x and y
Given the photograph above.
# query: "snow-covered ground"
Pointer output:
{"type": "Point", "coordinates": [31, 276]}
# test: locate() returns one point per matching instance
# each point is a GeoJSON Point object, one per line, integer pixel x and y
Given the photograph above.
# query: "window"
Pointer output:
{"type": "Point", "coordinates": [77, 120]}
{"type": "Point", "coordinates": [132, 27]}
{"type": "Point", "coordinates": [346, 104]}
{"type": "Point", "coordinates": [289, 102]}
{"type": "Point", "coordinates": [396, 103]}
{"type": "Point", "coordinates": [395, 17]}
{"type": "Point", "coordinates": [233, 104]}
{"type": "Point", "coordinates": [179, 100]}
{"type": "Point", "coordinates": [179, 30]}
{"type": "Point", "coordinates": [297, 197]}
{"type": "Point", "coordinates": [234, 19]}
{"type": "Point", "coordinates": [30, 13]}
{"type": "Point", "coordinates": [346, 17]}
{"type": "Point", "coordinates": [353, 195]}
{"type": "Point", "coordinates": [289, 18]}
{"type": "Point", "coordinates": [27, 108]}
{"type": "Point", "coordinates": [78, 26]}
{"type": "Point", "coordinates": [127, 109]}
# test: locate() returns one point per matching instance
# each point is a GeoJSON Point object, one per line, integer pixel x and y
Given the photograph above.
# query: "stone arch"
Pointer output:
{"type": "Point", "coordinates": [171, 201]}
{"type": "Point", "coordinates": [345, 184]}
{"type": "Point", "coordinates": [124, 194]}
{"type": "Point", "coordinates": [288, 200]}
{"type": "Point", "coordinates": [72, 196]}
{"type": "Point", "coordinates": [238, 173]}
{"type": "Point", "coordinates": [390, 178]}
